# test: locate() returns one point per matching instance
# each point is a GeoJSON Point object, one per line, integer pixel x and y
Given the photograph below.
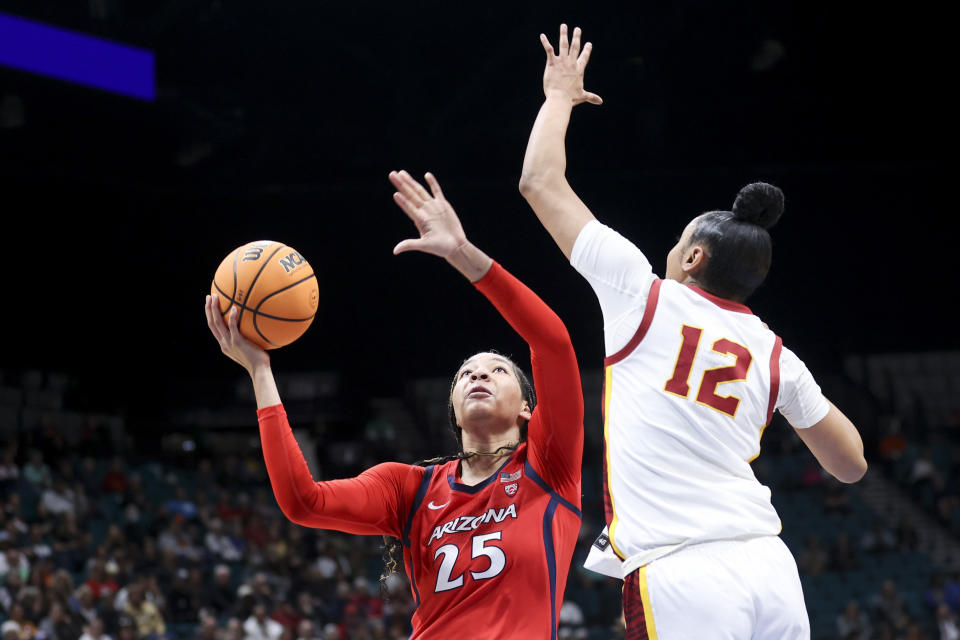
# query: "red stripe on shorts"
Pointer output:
{"type": "Point", "coordinates": [633, 608]}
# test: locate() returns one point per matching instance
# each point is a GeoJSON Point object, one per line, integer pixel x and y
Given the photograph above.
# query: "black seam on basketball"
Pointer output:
{"type": "Point", "coordinates": [257, 277]}
{"type": "Point", "coordinates": [234, 294]}
{"type": "Point", "coordinates": [254, 311]}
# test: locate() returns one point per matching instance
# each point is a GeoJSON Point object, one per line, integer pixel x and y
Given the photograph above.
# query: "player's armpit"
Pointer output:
{"type": "Point", "coordinates": [837, 446]}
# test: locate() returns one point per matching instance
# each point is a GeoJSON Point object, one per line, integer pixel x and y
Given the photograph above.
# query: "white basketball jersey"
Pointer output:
{"type": "Point", "coordinates": [691, 381]}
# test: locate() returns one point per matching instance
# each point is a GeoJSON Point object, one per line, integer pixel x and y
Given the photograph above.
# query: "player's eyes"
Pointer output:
{"type": "Point", "coordinates": [465, 372]}
{"type": "Point", "coordinates": [500, 369]}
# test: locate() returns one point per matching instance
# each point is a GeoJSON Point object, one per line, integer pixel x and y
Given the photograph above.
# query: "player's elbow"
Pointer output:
{"type": "Point", "coordinates": [534, 184]}
{"type": "Point", "coordinates": [853, 471]}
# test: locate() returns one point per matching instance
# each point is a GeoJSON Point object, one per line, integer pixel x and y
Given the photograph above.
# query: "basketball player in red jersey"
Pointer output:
{"type": "Point", "coordinates": [493, 530]}
{"type": "Point", "coordinates": [691, 379]}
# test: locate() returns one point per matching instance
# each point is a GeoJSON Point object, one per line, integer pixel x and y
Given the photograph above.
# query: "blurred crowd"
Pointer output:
{"type": "Point", "coordinates": [91, 549]}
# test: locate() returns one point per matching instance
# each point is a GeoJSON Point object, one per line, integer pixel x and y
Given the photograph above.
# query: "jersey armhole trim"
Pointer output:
{"type": "Point", "coordinates": [642, 329]}
{"type": "Point", "coordinates": [533, 475]}
{"type": "Point", "coordinates": [774, 377]}
{"type": "Point", "coordinates": [417, 499]}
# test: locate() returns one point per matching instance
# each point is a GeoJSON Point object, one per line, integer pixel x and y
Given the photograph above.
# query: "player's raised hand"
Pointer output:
{"type": "Point", "coordinates": [441, 233]}
{"type": "Point", "coordinates": [563, 74]}
{"type": "Point", "coordinates": [231, 341]}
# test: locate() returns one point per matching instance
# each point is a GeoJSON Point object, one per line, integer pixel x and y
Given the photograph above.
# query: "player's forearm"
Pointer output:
{"type": "Point", "coordinates": [545, 160]}
{"type": "Point", "coordinates": [264, 387]}
{"type": "Point", "coordinates": [470, 261]}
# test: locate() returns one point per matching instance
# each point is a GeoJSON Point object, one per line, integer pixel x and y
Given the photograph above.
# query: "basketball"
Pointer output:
{"type": "Point", "coordinates": [274, 289]}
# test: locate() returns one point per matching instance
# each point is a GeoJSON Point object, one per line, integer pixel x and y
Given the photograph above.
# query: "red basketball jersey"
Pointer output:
{"type": "Point", "coordinates": [501, 548]}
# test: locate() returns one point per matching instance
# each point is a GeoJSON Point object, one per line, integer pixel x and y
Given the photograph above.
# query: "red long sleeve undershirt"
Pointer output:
{"type": "Point", "coordinates": [377, 501]}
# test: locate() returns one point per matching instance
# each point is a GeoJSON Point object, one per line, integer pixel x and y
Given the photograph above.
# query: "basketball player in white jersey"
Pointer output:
{"type": "Point", "coordinates": [692, 378]}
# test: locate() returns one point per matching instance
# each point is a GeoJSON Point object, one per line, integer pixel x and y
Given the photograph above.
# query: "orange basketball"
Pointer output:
{"type": "Point", "coordinates": [274, 289]}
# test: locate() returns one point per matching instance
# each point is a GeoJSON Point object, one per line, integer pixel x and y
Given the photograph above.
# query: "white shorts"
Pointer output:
{"type": "Point", "coordinates": [725, 590]}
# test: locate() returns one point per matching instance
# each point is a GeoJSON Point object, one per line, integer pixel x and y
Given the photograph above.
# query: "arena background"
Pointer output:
{"type": "Point", "coordinates": [281, 121]}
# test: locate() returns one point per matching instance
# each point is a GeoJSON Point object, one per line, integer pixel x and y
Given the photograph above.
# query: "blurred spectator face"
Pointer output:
{"type": "Point", "coordinates": [305, 629]}
{"type": "Point", "coordinates": [332, 632]}
{"type": "Point", "coordinates": [260, 613]}
{"type": "Point", "coordinates": [136, 595]}
{"type": "Point", "coordinates": [56, 612]}
{"type": "Point", "coordinates": [96, 628]}
{"type": "Point", "coordinates": [221, 575]}
{"type": "Point", "coordinates": [85, 595]}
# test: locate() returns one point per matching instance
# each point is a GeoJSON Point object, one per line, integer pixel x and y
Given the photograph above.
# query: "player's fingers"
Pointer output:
{"type": "Point", "coordinates": [548, 48]}
{"type": "Point", "coordinates": [593, 98]}
{"type": "Point", "coordinates": [411, 244]}
{"type": "Point", "coordinates": [434, 185]}
{"type": "Point", "coordinates": [584, 56]}
{"type": "Point", "coordinates": [408, 208]}
{"type": "Point", "coordinates": [214, 321]}
{"type": "Point", "coordinates": [415, 186]}
{"type": "Point", "coordinates": [564, 43]}
{"type": "Point", "coordinates": [575, 42]}
{"type": "Point", "coordinates": [403, 185]}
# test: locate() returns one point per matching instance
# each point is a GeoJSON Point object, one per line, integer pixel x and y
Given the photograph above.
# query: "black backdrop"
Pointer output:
{"type": "Point", "coordinates": [281, 122]}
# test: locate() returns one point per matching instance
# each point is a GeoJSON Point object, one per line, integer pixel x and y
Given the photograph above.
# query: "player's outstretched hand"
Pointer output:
{"type": "Point", "coordinates": [232, 342]}
{"type": "Point", "coordinates": [441, 233]}
{"type": "Point", "coordinates": [563, 74]}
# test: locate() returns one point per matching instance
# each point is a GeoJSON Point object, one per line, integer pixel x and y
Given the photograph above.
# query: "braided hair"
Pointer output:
{"type": "Point", "coordinates": [393, 547]}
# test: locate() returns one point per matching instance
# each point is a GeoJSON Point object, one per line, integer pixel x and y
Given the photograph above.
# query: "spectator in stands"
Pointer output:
{"type": "Point", "coordinates": [813, 559]}
{"type": "Point", "coordinates": [878, 540]}
{"type": "Point", "coordinates": [36, 471]}
{"type": "Point", "coordinates": [182, 505]}
{"type": "Point", "coordinates": [18, 613]}
{"type": "Point", "coordinates": [98, 579]}
{"type": "Point", "coordinates": [571, 622]}
{"type": "Point", "coordinates": [180, 605]}
{"type": "Point", "coordinates": [146, 615]}
{"type": "Point", "coordinates": [10, 630]}
{"type": "Point", "coordinates": [115, 479]}
{"type": "Point", "coordinates": [259, 627]}
{"type": "Point", "coordinates": [853, 623]}
{"type": "Point", "coordinates": [94, 631]}
{"type": "Point", "coordinates": [126, 628]}
{"type": "Point", "coordinates": [9, 471]}
{"type": "Point", "coordinates": [59, 624]}
{"type": "Point", "coordinates": [305, 631]}
{"type": "Point", "coordinates": [208, 629]}
{"type": "Point", "coordinates": [12, 561]}
{"type": "Point", "coordinates": [947, 623]}
{"type": "Point", "coordinates": [906, 534]}
{"type": "Point", "coordinates": [889, 608]}
{"type": "Point", "coordinates": [58, 499]}
{"type": "Point", "coordinates": [843, 558]}
{"type": "Point", "coordinates": [221, 595]}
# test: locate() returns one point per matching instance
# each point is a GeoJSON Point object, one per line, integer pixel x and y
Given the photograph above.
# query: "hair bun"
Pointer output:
{"type": "Point", "coordinates": [759, 203]}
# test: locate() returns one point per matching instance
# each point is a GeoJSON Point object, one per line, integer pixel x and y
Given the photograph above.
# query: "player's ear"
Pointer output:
{"type": "Point", "coordinates": [525, 412]}
{"type": "Point", "coordinates": [694, 260]}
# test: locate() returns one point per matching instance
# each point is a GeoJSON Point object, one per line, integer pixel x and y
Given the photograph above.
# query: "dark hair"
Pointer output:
{"type": "Point", "coordinates": [737, 243]}
{"type": "Point", "coordinates": [393, 547]}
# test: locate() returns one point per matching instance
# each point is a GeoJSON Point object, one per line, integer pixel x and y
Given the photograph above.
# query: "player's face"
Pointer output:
{"type": "Point", "coordinates": [487, 389]}
{"type": "Point", "coordinates": [678, 254]}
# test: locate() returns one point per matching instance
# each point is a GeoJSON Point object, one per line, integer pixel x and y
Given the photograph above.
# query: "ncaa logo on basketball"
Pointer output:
{"type": "Point", "coordinates": [511, 488]}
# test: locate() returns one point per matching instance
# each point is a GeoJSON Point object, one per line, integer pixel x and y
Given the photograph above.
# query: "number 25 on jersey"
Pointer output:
{"type": "Point", "coordinates": [446, 582]}
{"type": "Point", "coordinates": [707, 395]}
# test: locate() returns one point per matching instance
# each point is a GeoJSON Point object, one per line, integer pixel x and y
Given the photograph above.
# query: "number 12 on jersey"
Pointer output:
{"type": "Point", "coordinates": [707, 395]}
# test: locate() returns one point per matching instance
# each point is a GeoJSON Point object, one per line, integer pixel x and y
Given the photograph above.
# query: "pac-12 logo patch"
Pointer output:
{"type": "Point", "coordinates": [511, 488]}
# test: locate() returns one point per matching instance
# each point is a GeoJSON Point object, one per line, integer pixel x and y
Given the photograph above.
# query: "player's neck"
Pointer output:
{"type": "Point", "coordinates": [490, 451]}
